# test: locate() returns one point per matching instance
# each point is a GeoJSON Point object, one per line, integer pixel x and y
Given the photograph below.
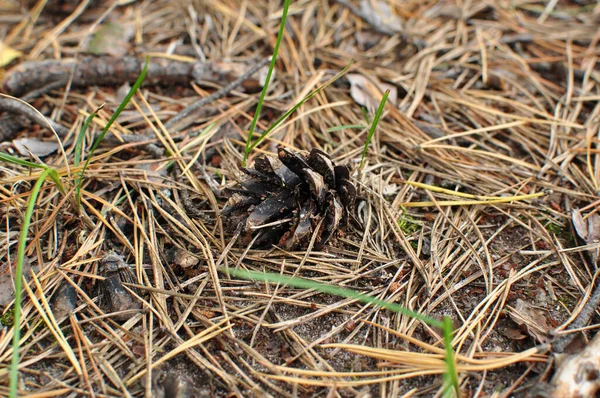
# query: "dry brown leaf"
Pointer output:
{"type": "Point", "coordinates": [512, 333]}
{"type": "Point", "coordinates": [367, 39]}
{"type": "Point", "coordinates": [122, 92]}
{"type": "Point", "coordinates": [588, 230]}
{"type": "Point", "coordinates": [27, 146]}
{"type": "Point", "coordinates": [379, 14]}
{"type": "Point", "coordinates": [185, 259]}
{"type": "Point", "coordinates": [113, 39]}
{"type": "Point", "coordinates": [577, 376]}
{"type": "Point", "coordinates": [7, 287]}
{"type": "Point", "coordinates": [594, 228]}
{"type": "Point", "coordinates": [368, 93]}
{"type": "Point", "coordinates": [579, 224]}
{"type": "Point", "coordinates": [525, 314]}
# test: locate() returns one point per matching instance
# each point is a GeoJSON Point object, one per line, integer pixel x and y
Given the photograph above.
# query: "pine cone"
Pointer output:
{"type": "Point", "coordinates": [285, 200]}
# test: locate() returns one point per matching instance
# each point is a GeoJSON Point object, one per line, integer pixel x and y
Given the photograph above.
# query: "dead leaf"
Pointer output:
{"type": "Point", "coordinates": [512, 333]}
{"type": "Point", "coordinates": [379, 14]}
{"type": "Point", "coordinates": [577, 375]}
{"type": "Point", "coordinates": [185, 259]}
{"type": "Point", "coordinates": [112, 39]}
{"type": "Point", "coordinates": [525, 314]}
{"type": "Point", "coordinates": [390, 189]}
{"type": "Point", "coordinates": [122, 93]}
{"type": "Point", "coordinates": [33, 146]}
{"type": "Point", "coordinates": [594, 228]}
{"type": "Point", "coordinates": [8, 54]}
{"type": "Point", "coordinates": [367, 39]}
{"type": "Point", "coordinates": [7, 288]}
{"type": "Point", "coordinates": [262, 76]}
{"type": "Point", "coordinates": [368, 93]}
{"type": "Point", "coordinates": [588, 229]}
{"type": "Point", "coordinates": [579, 224]}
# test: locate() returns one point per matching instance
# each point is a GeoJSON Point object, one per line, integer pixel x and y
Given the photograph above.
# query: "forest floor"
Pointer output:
{"type": "Point", "coordinates": [477, 199]}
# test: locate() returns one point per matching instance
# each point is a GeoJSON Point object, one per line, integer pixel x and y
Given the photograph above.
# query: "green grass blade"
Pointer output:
{"type": "Point", "coordinates": [81, 135]}
{"type": "Point", "coordinates": [451, 375]}
{"type": "Point", "coordinates": [374, 126]}
{"type": "Point", "coordinates": [53, 174]}
{"type": "Point", "coordinates": [298, 105]}
{"type": "Point", "coordinates": [261, 100]}
{"type": "Point", "coordinates": [365, 114]}
{"type": "Point", "coordinates": [330, 289]}
{"type": "Point", "coordinates": [347, 126]}
{"type": "Point", "coordinates": [15, 160]}
{"type": "Point", "coordinates": [14, 367]}
{"type": "Point", "coordinates": [114, 117]}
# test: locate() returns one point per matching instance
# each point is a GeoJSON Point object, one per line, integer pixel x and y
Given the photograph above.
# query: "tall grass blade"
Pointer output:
{"type": "Point", "coordinates": [261, 100]}
{"type": "Point", "coordinates": [114, 117]}
{"type": "Point", "coordinates": [53, 174]}
{"type": "Point", "coordinates": [298, 105]}
{"type": "Point", "coordinates": [330, 289]}
{"type": "Point", "coordinates": [366, 114]}
{"type": "Point", "coordinates": [81, 135]}
{"type": "Point", "coordinates": [14, 366]}
{"type": "Point", "coordinates": [15, 160]}
{"type": "Point", "coordinates": [451, 376]}
{"type": "Point", "coordinates": [346, 126]}
{"type": "Point", "coordinates": [374, 126]}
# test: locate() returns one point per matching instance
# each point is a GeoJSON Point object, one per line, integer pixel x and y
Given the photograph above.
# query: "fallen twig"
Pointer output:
{"type": "Point", "coordinates": [111, 71]}
{"type": "Point", "coordinates": [11, 105]}
{"type": "Point", "coordinates": [178, 122]}
{"type": "Point", "coordinates": [582, 320]}
{"type": "Point", "coordinates": [88, 71]}
{"type": "Point", "coordinates": [9, 126]}
{"type": "Point", "coordinates": [184, 118]}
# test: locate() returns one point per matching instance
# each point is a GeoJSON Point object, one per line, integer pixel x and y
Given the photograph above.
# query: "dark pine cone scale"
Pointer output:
{"type": "Point", "coordinates": [284, 200]}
